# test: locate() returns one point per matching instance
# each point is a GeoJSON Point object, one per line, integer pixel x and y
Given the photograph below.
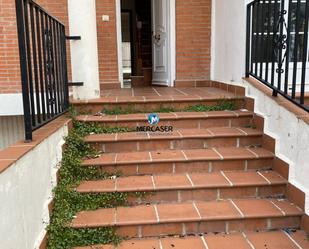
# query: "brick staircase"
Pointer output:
{"type": "Point", "coordinates": [209, 184]}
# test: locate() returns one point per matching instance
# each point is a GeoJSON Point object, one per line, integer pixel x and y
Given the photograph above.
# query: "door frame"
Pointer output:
{"type": "Point", "coordinates": [171, 5]}
{"type": "Point", "coordinates": [131, 39]}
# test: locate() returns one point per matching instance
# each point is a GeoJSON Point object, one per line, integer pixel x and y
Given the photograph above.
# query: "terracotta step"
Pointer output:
{"type": "Point", "coordinates": [193, 218]}
{"type": "Point", "coordinates": [179, 120]}
{"type": "Point", "coordinates": [152, 103]}
{"type": "Point", "coordinates": [141, 99]}
{"type": "Point", "coordinates": [247, 240]}
{"type": "Point", "coordinates": [178, 139]}
{"type": "Point", "coordinates": [183, 161]}
{"type": "Point", "coordinates": [192, 187]}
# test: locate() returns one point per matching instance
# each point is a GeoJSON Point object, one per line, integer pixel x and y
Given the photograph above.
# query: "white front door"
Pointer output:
{"type": "Point", "coordinates": [160, 42]}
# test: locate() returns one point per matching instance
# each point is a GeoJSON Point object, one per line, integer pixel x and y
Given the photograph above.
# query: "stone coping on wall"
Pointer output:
{"type": "Point", "coordinates": [299, 112]}
{"type": "Point", "coordinates": [13, 153]}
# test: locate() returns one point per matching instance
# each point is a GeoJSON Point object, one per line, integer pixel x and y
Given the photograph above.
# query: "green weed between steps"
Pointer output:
{"type": "Point", "coordinates": [220, 106]}
{"type": "Point", "coordinates": [68, 202]}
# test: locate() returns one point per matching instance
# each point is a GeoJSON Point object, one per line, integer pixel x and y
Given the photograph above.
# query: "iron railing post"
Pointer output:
{"type": "Point", "coordinates": [24, 68]}
{"type": "Point", "coordinates": [304, 55]}
{"type": "Point", "coordinates": [248, 27]}
{"type": "Point", "coordinates": [66, 80]}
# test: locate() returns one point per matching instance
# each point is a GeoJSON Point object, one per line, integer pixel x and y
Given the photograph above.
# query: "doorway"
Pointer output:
{"type": "Point", "coordinates": [146, 42]}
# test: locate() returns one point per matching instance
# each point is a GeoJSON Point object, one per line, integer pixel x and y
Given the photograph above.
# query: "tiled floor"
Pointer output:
{"type": "Point", "coordinates": [163, 91]}
{"type": "Point", "coordinates": [159, 94]}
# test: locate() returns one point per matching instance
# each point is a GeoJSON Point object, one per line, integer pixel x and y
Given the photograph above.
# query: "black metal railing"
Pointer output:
{"type": "Point", "coordinates": [43, 63]}
{"type": "Point", "coordinates": [277, 47]}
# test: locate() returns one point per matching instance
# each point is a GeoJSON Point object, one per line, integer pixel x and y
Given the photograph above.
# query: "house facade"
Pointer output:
{"type": "Point", "coordinates": [187, 38]}
{"type": "Point", "coordinates": [128, 57]}
{"type": "Point", "coordinates": [183, 58]}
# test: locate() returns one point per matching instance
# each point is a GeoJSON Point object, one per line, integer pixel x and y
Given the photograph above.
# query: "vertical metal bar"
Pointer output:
{"type": "Point", "coordinates": [50, 67]}
{"type": "Point", "coordinates": [35, 66]}
{"type": "Point", "coordinates": [28, 49]}
{"type": "Point", "coordinates": [273, 44]}
{"type": "Point", "coordinates": [248, 40]}
{"type": "Point", "coordinates": [60, 79]}
{"type": "Point", "coordinates": [257, 38]}
{"type": "Point", "coordinates": [39, 35]}
{"type": "Point", "coordinates": [20, 14]}
{"type": "Point", "coordinates": [280, 48]}
{"type": "Point", "coordinates": [296, 40]}
{"type": "Point", "coordinates": [44, 50]}
{"type": "Point", "coordinates": [55, 71]}
{"type": "Point", "coordinates": [304, 55]}
{"type": "Point", "coordinates": [288, 46]}
{"type": "Point", "coordinates": [253, 42]}
{"type": "Point", "coordinates": [262, 53]}
{"type": "Point", "coordinates": [60, 71]}
{"type": "Point", "coordinates": [267, 40]}
{"type": "Point", "coordinates": [65, 67]}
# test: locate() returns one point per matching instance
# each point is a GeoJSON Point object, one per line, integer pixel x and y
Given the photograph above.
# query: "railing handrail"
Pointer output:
{"type": "Point", "coordinates": [45, 11]}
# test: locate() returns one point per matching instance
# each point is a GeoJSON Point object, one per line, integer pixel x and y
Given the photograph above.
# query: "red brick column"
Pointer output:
{"type": "Point", "coordinates": [107, 44]}
{"type": "Point", "coordinates": [9, 55]}
{"type": "Point", "coordinates": [193, 41]}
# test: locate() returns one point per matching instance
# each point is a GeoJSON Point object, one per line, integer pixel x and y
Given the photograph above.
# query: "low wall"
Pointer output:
{"type": "Point", "coordinates": [291, 133]}
{"type": "Point", "coordinates": [26, 187]}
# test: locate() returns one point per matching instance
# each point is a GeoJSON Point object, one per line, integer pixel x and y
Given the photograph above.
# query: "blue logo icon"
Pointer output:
{"type": "Point", "coordinates": [153, 119]}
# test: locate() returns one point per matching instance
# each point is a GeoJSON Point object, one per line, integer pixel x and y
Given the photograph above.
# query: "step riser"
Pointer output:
{"type": "Point", "coordinates": [93, 108]}
{"type": "Point", "coordinates": [176, 144]}
{"type": "Point", "coordinates": [194, 228]}
{"type": "Point", "coordinates": [186, 123]}
{"type": "Point", "coordinates": [190, 167]}
{"type": "Point", "coordinates": [179, 196]}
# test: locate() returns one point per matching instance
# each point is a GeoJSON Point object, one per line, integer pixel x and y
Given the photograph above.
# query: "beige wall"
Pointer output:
{"type": "Point", "coordinates": [11, 130]}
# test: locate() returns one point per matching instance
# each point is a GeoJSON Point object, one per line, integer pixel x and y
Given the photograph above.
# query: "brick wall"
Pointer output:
{"type": "Point", "coordinates": [9, 55]}
{"type": "Point", "coordinates": [193, 39]}
{"type": "Point", "coordinates": [107, 44]}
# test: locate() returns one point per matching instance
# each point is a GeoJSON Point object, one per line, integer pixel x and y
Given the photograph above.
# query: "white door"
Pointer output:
{"type": "Point", "coordinates": [160, 42]}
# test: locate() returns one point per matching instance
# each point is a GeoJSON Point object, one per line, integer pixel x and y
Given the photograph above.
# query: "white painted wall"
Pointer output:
{"type": "Point", "coordinates": [11, 104]}
{"type": "Point", "coordinates": [25, 192]}
{"type": "Point", "coordinates": [119, 41]}
{"type": "Point", "coordinates": [228, 40]}
{"type": "Point", "coordinates": [228, 65]}
{"type": "Point", "coordinates": [291, 134]}
{"type": "Point", "coordinates": [11, 130]}
{"type": "Point", "coordinates": [84, 52]}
